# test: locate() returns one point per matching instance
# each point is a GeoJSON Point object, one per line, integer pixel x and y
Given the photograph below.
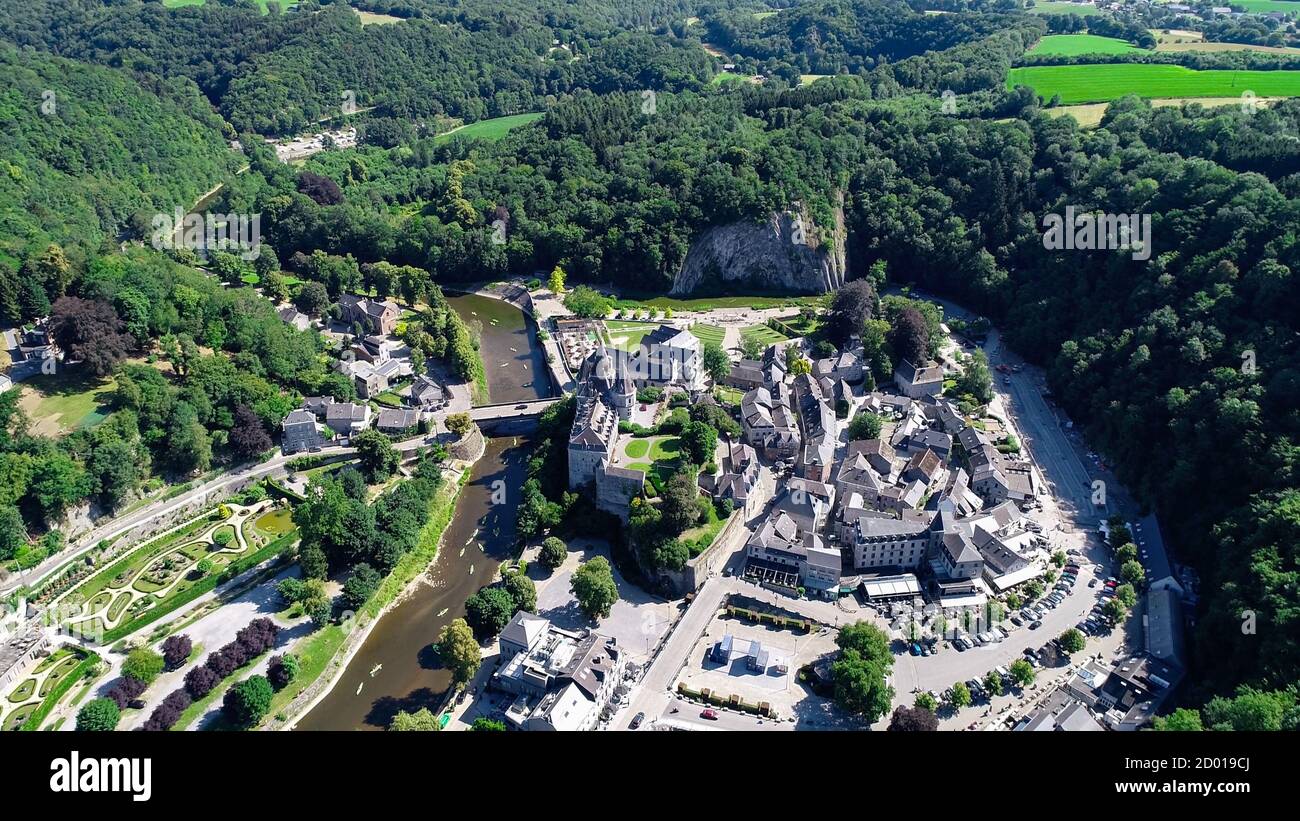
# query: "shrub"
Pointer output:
{"type": "Point", "coordinates": [100, 715]}
{"type": "Point", "coordinates": [554, 552]}
{"type": "Point", "coordinates": [200, 681]}
{"type": "Point", "coordinates": [176, 651]}
{"type": "Point", "coordinates": [143, 665]}
{"type": "Point", "coordinates": [247, 702]}
{"type": "Point", "coordinates": [282, 670]}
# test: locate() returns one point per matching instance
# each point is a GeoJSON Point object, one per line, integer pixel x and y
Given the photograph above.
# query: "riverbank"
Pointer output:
{"type": "Point", "coordinates": [326, 655]}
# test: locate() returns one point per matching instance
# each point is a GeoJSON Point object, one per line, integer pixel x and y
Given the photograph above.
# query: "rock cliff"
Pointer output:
{"type": "Point", "coordinates": [785, 253]}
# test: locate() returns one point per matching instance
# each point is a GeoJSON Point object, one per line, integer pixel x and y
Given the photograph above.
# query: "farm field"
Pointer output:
{"type": "Point", "coordinates": [1100, 83]}
{"type": "Point", "coordinates": [1083, 9]}
{"type": "Point", "coordinates": [493, 129]}
{"type": "Point", "coordinates": [1072, 44]}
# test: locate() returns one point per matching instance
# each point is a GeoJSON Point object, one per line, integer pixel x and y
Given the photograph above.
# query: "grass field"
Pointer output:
{"type": "Point", "coordinates": [369, 18]}
{"type": "Point", "coordinates": [1071, 44]}
{"type": "Point", "coordinates": [1100, 83]}
{"type": "Point", "coordinates": [765, 335]}
{"type": "Point", "coordinates": [626, 336]}
{"type": "Point", "coordinates": [59, 403]}
{"type": "Point", "coordinates": [1285, 6]}
{"type": "Point", "coordinates": [728, 77]}
{"type": "Point", "coordinates": [709, 333]}
{"type": "Point", "coordinates": [1086, 10]}
{"type": "Point", "coordinates": [493, 129]}
{"type": "Point", "coordinates": [809, 79]}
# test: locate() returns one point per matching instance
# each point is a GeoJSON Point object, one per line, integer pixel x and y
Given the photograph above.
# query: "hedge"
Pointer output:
{"type": "Point", "coordinates": [35, 720]}
{"type": "Point", "coordinates": [204, 585]}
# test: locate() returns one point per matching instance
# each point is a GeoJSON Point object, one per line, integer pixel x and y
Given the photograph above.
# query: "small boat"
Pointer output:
{"type": "Point", "coordinates": [359, 686]}
{"type": "Point", "coordinates": [462, 551]}
{"type": "Point", "coordinates": [375, 669]}
{"type": "Point", "coordinates": [471, 570]}
{"type": "Point", "coordinates": [442, 612]}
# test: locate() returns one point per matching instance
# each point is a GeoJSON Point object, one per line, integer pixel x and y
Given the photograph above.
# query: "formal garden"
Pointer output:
{"type": "Point", "coordinates": [29, 703]}
{"type": "Point", "coordinates": [171, 567]}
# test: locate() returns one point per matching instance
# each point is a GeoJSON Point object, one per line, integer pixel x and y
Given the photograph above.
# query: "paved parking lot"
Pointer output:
{"type": "Point", "coordinates": [638, 620]}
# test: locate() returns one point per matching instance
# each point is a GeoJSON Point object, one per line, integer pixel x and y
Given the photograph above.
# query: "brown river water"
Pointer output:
{"type": "Point", "coordinates": [406, 673]}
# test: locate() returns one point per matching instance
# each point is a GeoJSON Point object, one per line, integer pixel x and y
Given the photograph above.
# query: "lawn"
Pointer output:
{"type": "Point", "coordinates": [1100, 83]}
{"type": "Point", "coordinates": [60, 403]}
{"type": "Point", "coordinates": [1285, 6]}
{"type": "Point", "coordinates": [626, 336]}
{"type": "Point", "coordinates": [728, 77]}
{"type": "Point", "coordinates": [493, 129]}
{"type": "Point", "coordinates": [765, 335]}
{"type": "Point", "coordinates": [716, 303]}
{"type": "Point", "coordinates": [1086, 10]}
{"type": "Point", "coordinates": [1071, 44]}
{"type": "Point", "coordinates": [709, 333]}
{"type": "Point", "coordinates": [637, 448]}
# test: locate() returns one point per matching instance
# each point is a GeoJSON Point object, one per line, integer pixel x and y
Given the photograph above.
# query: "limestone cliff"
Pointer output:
{"type": "Point", "coordinates": [785, 253]}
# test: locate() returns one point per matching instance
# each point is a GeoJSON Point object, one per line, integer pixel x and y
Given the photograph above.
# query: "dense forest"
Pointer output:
{"type": "Point", "coordinates": [1146, 356]}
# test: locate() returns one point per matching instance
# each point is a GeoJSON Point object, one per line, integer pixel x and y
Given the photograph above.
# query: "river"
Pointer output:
{"type": "Point", "coordinates": [513, 361]}
{"type": "Point", "coordinates": [407, 675]}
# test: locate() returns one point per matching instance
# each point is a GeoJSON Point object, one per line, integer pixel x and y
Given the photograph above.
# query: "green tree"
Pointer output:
{"type": "Point", "coordinates": [13, 532]}
{"type": "Point", "coordinates": [993, 682]}
{"type": "Point", "coordinates": [1132, 573]}
{"type": "Point", "coordinates": [459, 423]}
{"type": "Point", "coordinates": [360, 586]}
{"type": "Point", "coordinates": [925, 701]}
{"type": "Point", "coordinates": [1180, 720]}
{"type": "Point", "coordinates": [247, 702]}
{"type": "Point", "coordinates": [459, 650]}
{"type": "Point", "coordinates": [959, 695]}
{"type": "Point", "coordinates": [699, 442]}
{"type": "Point", "coordinates": [143, 664]}
{"type": "Point", "coordinates": [1022, 672]}
{"type": "Point", "coordinates": [1126, 595]}
{"type": "Point", "coordinates": [489, 610]}
{"type": "Point", "coordinates": [556, 280]}
{"type": "Point", "coordinates": [422, 720]}
{"type": "Point", "coordinates": [522, 591]}
{"type": "Point", "coordinates": [482, 724]}
{"type": "Point", "coordinates": [866, 425]}
{"type": "Point", "coordinates": [1072, 641]}
{"type": "Point", "coordinates": [554, 552]}
{"type": "Point", "coordinates": [593, 586]}
{"type": "Point", "coordinates": [376, 455]}
{"type": "Point", "coordinates": [587, 302]}
{"type": "Point", "coordinates": [716, 362]}
{"type": "Point", "coordinates": [99, 715]}
{"type": "Point", "coordinates": [1114, 610]}
{"type": "Point", "coordinates": [860, 687]}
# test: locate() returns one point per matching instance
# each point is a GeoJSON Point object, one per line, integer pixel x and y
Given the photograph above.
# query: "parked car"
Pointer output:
{"type": "Point", "coordinates": [1092, 582]}
{"type": "Point", "coordinates": [1035, 624]}
{"type": "Point", "coordinates": [1001, 632]}
{"type": "Point", "coordinates": [709, 713]}
{"type": "Point", "coordinates": [636, 720]}
{"type": "Point", "coordinates": [1016, 620]}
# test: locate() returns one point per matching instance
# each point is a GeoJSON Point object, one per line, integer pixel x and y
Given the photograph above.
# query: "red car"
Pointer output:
{"type": "Point", "coordinates": [710, 714]}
